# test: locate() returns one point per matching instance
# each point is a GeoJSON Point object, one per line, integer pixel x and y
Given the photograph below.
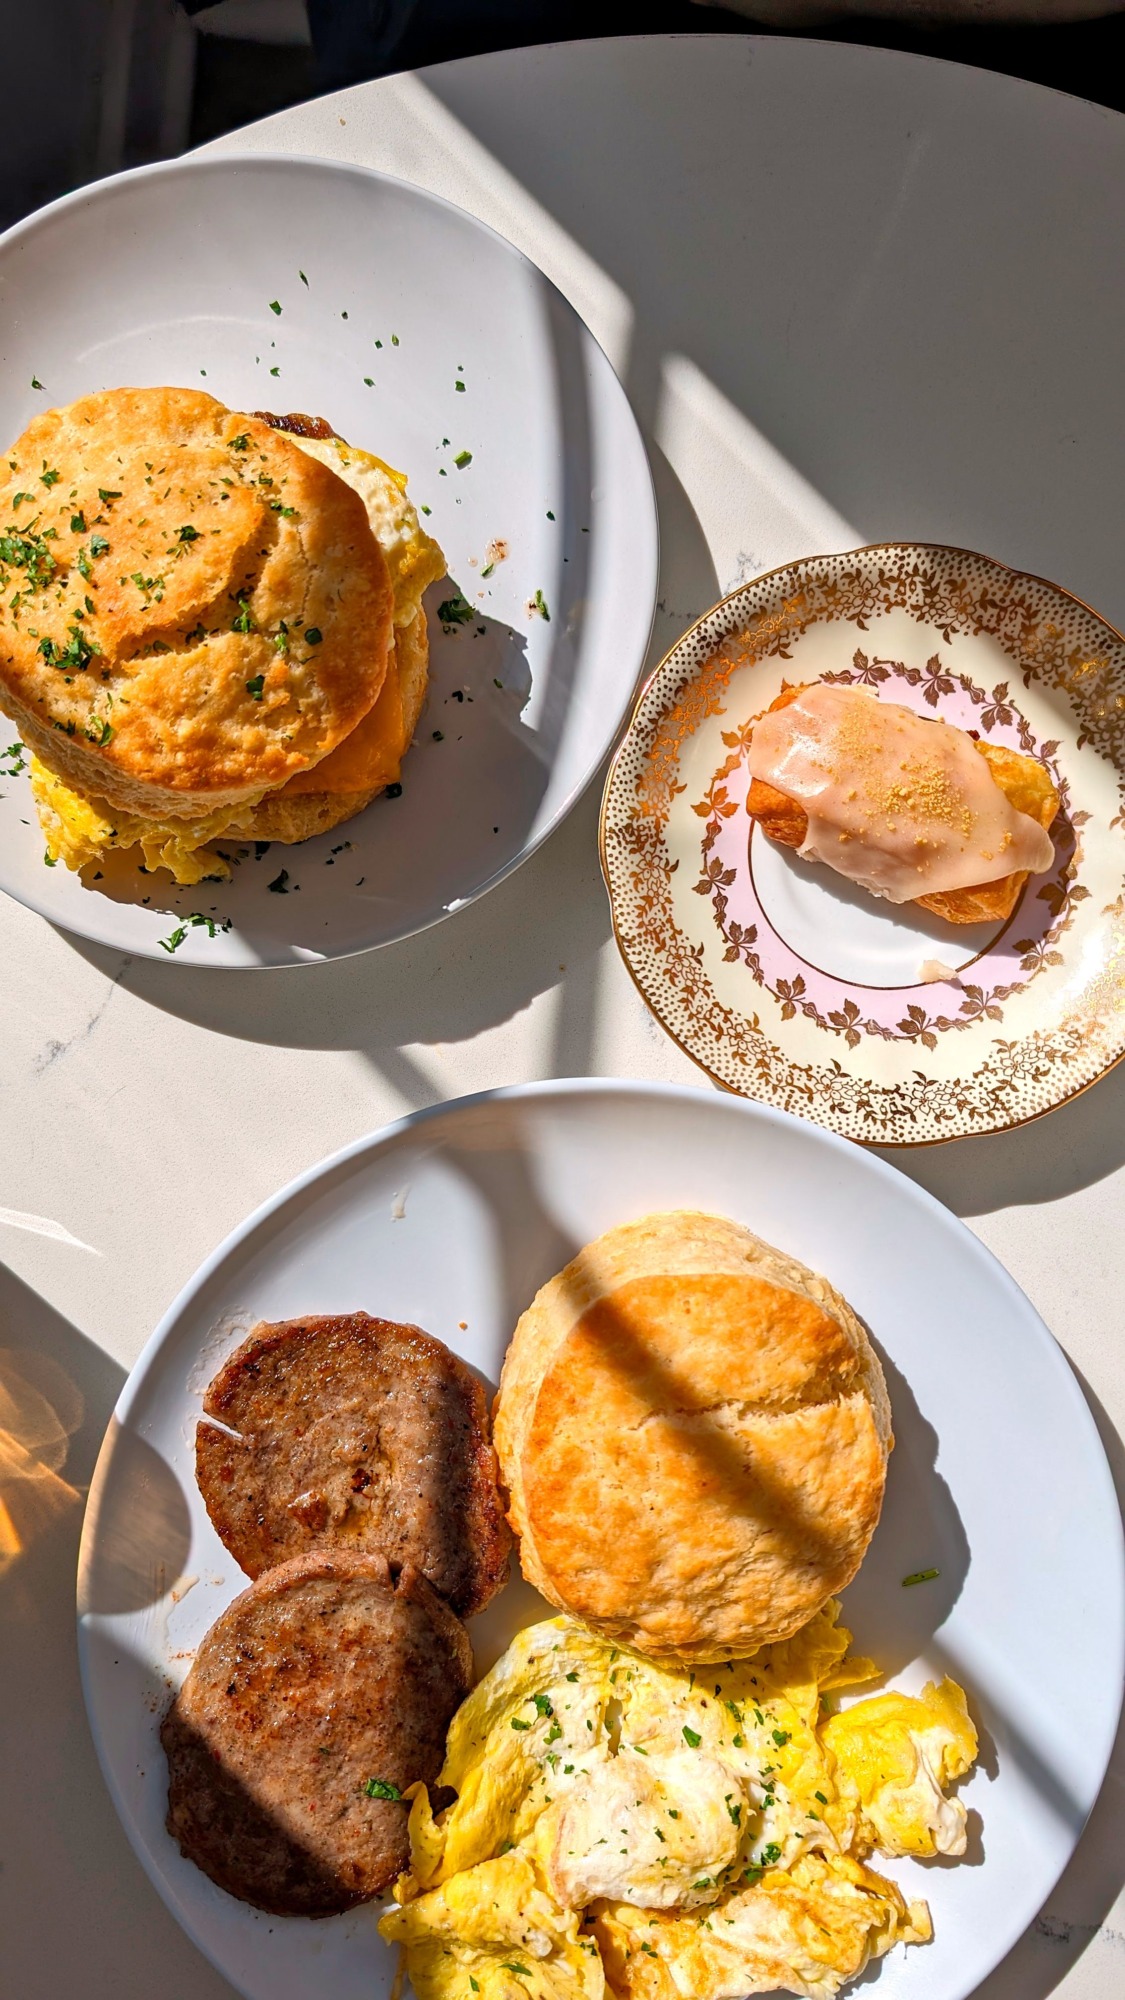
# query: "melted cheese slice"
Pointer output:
{"type": "Point", "coordinates": [904, 806]}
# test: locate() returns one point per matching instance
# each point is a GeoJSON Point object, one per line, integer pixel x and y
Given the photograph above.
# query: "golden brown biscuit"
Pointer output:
{"type": "Point", "coordinates": [1024, 780]}
{"type": "Point", "coordinates": [360, 767]}
{"type": "Point", "coordinates": [693, 1430]}
{"type": "Point", "coordinates": [194, 609]}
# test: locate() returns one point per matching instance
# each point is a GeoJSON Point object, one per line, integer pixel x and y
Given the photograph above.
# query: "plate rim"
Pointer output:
{"type": "Point", "coordinates": [561, 1090]}
{"type": "Point", "coordinates": [874, 1142]}
{"type": "Point", "coordinates": [201, 160]}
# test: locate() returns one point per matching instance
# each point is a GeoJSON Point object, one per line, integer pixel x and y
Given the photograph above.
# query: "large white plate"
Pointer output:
{"type": "Point", "coordinates": [168, 275]}
{"type": "Point", "coordinates": [452, 1218]}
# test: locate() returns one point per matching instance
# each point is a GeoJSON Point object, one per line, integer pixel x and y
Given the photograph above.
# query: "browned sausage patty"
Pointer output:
{"type": "Point", "coordinates": [323, 1676]}
{"type": "Point", "coordinates": [355, 1433]}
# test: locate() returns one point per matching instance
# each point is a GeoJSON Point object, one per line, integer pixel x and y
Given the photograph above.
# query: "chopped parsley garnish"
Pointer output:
{"type": "Point", "coordinates": [83, 565]}
{"type": "Point", "coordinates": [239, 443]}
{"type": "Point", "coordinates": [393, 792]}
{"type": "Point", "coordinates": [460, 386]}
{"type": "Point", "coordinates": [553, 1734]}
{"type": "Point", "coordinates": [188, 533]}
{"type": "Point", "coordinates": [381, 1788]}
{"type": "Point", "coordinates": [13, 757]}
{"type": "Point", "coordinates": [771, 1854]}
{"type": "Point", "coordinates": [36, 383]}
{"type": "Point", "coordinates": [279, 507]}
{"type": "Point", "coordinates": [29, 552]}
{"type": "Point", "coordinates": [473, 1984]}
{"type": "Point", "coordinates": [49, 859]}
{"type": "Point", "coordinates": [19, 498]}
{"type": "Point", "coordinates": [196, 921]}
{"type": "Point", "coordinates": [275, 371]}
{"type": "Point", "coordinates": [313, 635]}
{"type": "Point", "coordinates": [281, 638]}
{"type": "Point", "coordinates": [369, 382]}
{"type": "Point", "coordinates": [920, 1576]}
{"type": "Point", "coordinates": [753, 1875]}
{"type": "Point", "coordinates": [463, 459]}
{"type": "Point", "coordinates": [692, 1737]}
{"type": "Point", "coordinates": [542, 1704]}
{"type": "Point", "coordinates": [107, 496]}
{"type": "Point", "coordinates": [394, 340]}
{"type": "Point", "coordinates": [254, 687]}
{"type": "Point", "coordinates": [427, 510]}
{"type": "Point", "coordinates": [243, 622]}
{"type": "Point", "coordinates": [780, 1737]}
{"type": "Point", "coordinates": [99, 737]}
{"type": "Point", "coordinates": [275, 307]}
{"type": "Point", "coordinates": [487, 570]}
{"type": "Point", "coordinates": [49, 476]}
{"type": "Point", "coordinates": [153, 586]}
{"type": "Point", "coordinates": [734, 1813]}
{"type": "Point", "coordinates": [280, 884]}
{"type": "Point", "coordinates": [98, 545]}
{"type": "Point", "coordinates": [302, 277]}
{"type": "Point", "coordinates": [572, 1677]}
{"type": "Point", "coordinates": [78, 523]}
{"type": "Point", "coordinates": [75, 656]}
{"type": "Point", "coordinates": [518, 1724]}
{"type": "Point", "coordinates": [550, 516]}
{"type": "Point", "coordinates": [540, 604]}
{"type": "Point", "coordinates": [510, 1965]}
{"type": "Point", "coordinates": [455, 611]}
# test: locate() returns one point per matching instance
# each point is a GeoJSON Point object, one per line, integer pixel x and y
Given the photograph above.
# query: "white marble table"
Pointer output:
{"type": "Point", "coordinates": [854, 295]}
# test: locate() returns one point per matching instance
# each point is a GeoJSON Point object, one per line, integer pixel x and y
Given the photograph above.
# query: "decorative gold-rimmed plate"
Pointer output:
{"type": "Point", "coordinates": [782, 980]}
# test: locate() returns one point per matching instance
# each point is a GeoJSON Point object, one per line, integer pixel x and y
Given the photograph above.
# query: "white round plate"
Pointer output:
{"type": "Point", "coordinates": [389, 299]}
{"type": "Point", "coordinates": [786, 982]}
{"type": "Point", "coordinates": [452, 1219]}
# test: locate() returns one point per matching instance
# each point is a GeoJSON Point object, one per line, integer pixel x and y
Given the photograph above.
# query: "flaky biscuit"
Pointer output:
{"type": "Point", "coordinates": [693, 1430]}
{"type": "Point", "coordinates": [361, 767]}
{"type": "Point", "coordinates": [201, 609]}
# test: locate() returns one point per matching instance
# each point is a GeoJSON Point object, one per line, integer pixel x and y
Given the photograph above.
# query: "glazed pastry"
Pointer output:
{"type": "Point", "coordinates": [913, 810]}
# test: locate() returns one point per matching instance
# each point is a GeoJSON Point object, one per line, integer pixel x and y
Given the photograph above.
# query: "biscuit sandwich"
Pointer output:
{"type": "Point", "coordinates": [210, 626]}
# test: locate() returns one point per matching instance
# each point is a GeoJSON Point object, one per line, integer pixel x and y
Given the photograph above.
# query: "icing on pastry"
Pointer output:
{"type": "Point", "coordinates": [902, 805]}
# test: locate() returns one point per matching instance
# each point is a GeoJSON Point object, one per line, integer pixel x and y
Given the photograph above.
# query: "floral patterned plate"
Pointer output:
{"type": "Point", "coordinates": [781, 979]}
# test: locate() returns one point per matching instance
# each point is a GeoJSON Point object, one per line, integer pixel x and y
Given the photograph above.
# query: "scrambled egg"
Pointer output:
{"type": "Point", "coordinates": [666, 1833]}
{"type": "Point", "coordinates": [81, 830]}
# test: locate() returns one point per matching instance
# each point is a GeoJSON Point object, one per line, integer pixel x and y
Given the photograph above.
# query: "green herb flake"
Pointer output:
{"type": "Point", "coordinates": [572, 1677]}
{"type": "Point", "coordinates": [78, 524]}
{"type": "Point", "coordinates": [771, 1854]}
{"type": "Point", "coordinates": [426, 510]}
{"type": "Point", "coordinates": [780, 1737]}
{"type": "Point", "coordinates": [49, 477]}
{"type": "Point", "coordinates": [539, 603]}
{"type": "Point", "coordinates": [473, 1984]}
{"type": "Point", "coordinates": [550, 516]}
{"type": "Point", "coordinates": [275, 371]}
{"type": "Point", "coordinates": [275, 307]}
{"type": "Point", "coordinates": [460, 387]}
{"type": "Point", "coordinates": [254, 687]}
{"type": "Point", "coordinates": [98, 737]}
{"type": "Point", "coordinates": [49, 859]}
{"type": "Point", "coordinates": [302, 277]}
{"type": "Point", "coordinates": [542, 1704]}
{"type": "Point", "coordinates": [463, 459]}
{"type": "Point", "coordinates": [98, 545]}
{"type": "Point", "coordinates": [368, 382]}
{"type": "Point", "coordinates": [487, 570]}
{"type": "Point", "coordinates": [381, 1788]}
{"type": "Point", "coordinates": [188, 533]}
{"type": "Point", "coordinates": [692, 1737]}
{"type": "Point", "coordinates": [239, 443]}
{"type": "Point", "coordinates": [518, 1724]}
{"type": "Point", "coordinates": [279, 508]}
{"type": "Point", "coordinates": [821, 1797]}
{"type": "Point", "coordinates": [83, 565]}
{"type": "Point", "coordinates": [36, 383]}
{"type": "Point", "coordinates": [920, 1576]}
{"type": "Point", "coordinates": [455, 611]}
{"type": "Point", "coordinates": [243, 622]}
{"type": "Point", "coordinates": [394, 340]}
{"type": "Point", "coordinates": [107, 495]}
{"type": "Point", "coordinates": [280, 884]}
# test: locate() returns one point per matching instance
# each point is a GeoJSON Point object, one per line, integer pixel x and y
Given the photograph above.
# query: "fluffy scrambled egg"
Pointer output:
{"type": "Point", "coordinates": [661, 1832]}
{"type": "Point", "coordinates": [81, 830]}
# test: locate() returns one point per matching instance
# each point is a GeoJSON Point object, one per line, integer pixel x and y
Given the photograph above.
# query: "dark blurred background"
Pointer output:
{"type": "Point", "coordinates": [96, 85]}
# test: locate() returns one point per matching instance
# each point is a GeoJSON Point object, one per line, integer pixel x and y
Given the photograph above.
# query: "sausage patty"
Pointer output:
{"type": "Point", "coordinates": [326, 1677]}
{"type": "Point", "coordinates": [355, 1433]}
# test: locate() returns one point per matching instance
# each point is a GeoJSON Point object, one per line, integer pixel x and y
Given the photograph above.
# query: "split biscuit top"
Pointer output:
{"type": "Point", "coordinates": [193, 611]}
{"type": "Point", "coordinates": [694, 1431]}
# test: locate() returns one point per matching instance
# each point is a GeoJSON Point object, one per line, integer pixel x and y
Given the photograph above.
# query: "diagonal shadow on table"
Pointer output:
{"type": "Point", "coordinates": [70, 1888]}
